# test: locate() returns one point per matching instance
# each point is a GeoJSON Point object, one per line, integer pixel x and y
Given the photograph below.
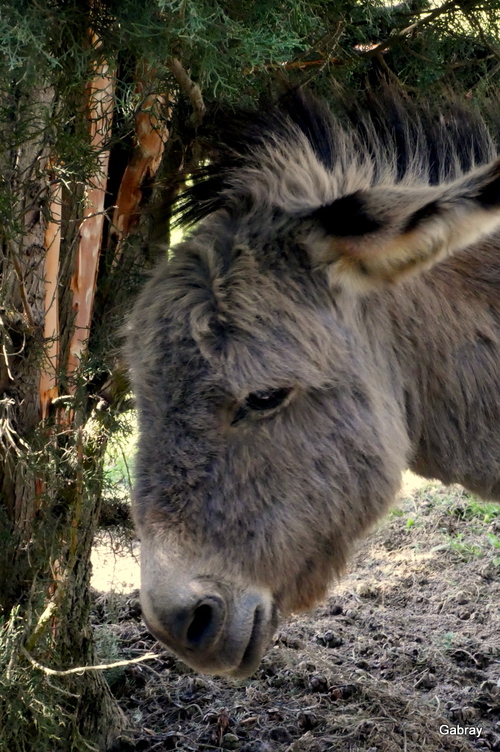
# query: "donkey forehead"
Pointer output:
{"type": "Point", "coordinates": [249, 324]}
{"type": "Point", "coordinates": [229, 353]}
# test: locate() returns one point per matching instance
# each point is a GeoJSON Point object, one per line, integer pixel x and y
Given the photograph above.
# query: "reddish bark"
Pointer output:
{"type": "Point", "coordinates": [150, 136]}
{"type": "Point", "coordinates": [48, 376]}
{"type": "Point", "coordinates": [83, 283]}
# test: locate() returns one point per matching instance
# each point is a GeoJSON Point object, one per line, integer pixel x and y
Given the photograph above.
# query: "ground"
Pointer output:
{"type": "Point", "coordinates": [404, 654]}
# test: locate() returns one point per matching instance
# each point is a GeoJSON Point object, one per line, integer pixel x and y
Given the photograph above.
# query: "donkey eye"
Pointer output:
{"type": "Point", "coordinates": [266, 400]}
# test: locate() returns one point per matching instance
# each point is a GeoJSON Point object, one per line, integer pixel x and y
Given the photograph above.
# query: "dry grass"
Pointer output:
{"type": "Point", "coordinates": [408, 641]}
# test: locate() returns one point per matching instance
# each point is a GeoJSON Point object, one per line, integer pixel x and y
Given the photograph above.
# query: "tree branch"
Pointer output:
{"type": "Point", "coordinates": [22, 289]}
{"type": "Point", "coordinates": [392, 40]}
{"type": "Point", "coordinates": [191, 90]}
{"type": "Point", "coordinates": [83, 669]}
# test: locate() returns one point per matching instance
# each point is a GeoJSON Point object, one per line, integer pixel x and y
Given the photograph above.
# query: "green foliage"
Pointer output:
{"type": "Point", "coordinates": [34, 708]}
{"type": "Point", "coordinates": [465, 549]}
{"type": "Point", "coordinates": [449, 641]}
{"type": "Point", "coordinates": [232, 51]}
{"type": "Point", "coordinates": [495, 542]}
{"type": "Point", "coordinates": [220, 42]}
{"type": "Point", "coordinates": [482, 510]}
{"type": "Point", "coordinates": [118, 473]}
{"type": "Point", "coordinates": [107, 650]}
{"type": "Point", "coordinates": [38, 710]}
{"type": "Point", "coordinates": [119, 458]}
{"type": "Point", "coordinates": [473, 515]}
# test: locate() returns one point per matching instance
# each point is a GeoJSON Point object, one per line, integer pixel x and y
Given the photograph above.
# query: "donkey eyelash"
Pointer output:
{"type": "Point", "coordinates": [267, 399]}
{"type": "Point", "coordinates": [263, 401]}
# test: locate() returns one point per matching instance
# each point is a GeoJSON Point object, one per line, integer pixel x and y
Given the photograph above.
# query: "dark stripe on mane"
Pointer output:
{"type": "Point", "coordinates": [240, 134]}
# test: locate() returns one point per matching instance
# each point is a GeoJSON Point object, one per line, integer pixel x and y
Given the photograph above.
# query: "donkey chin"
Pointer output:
{"type": "Point", "coordinates": [211, 626]}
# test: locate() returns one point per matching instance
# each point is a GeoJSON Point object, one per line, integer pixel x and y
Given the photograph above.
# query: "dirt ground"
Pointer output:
{"type": "Point", "coordinates": [403, 656]}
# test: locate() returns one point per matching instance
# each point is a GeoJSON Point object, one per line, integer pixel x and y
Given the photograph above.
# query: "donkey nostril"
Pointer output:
{"type": "Point", "coordinates": [195, 626]}
{"type": "Point", "coordinates": [200, 625]}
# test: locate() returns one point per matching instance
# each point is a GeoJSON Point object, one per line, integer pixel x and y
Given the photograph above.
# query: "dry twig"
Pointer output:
{"type": "Point", "coordinates": [83, 669]}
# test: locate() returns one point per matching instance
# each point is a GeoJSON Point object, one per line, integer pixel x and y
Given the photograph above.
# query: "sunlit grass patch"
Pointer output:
{"type": "Point", "coordinates": [456, 520]}
{"type": "Point", "coordinates": [119, 460]}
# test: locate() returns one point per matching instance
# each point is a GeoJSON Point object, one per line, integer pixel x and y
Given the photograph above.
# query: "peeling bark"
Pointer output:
{"type": "Point", "coordinates": [83, 283]}
{"type": "Point", "coordinates": [49, 387]}
{"type": "Point", "coordinates": [151, 135]}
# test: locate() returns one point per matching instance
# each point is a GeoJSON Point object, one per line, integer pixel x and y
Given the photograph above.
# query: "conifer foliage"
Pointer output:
{"type": "Point", "coordinates": [103, 103]}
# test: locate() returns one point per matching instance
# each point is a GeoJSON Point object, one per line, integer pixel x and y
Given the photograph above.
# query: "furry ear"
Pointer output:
{"type": "Point", "coordinates": [382, 234]}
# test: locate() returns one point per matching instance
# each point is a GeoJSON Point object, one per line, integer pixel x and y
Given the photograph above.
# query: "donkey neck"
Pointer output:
{"type": "Point", "coordinates": [445, 333]}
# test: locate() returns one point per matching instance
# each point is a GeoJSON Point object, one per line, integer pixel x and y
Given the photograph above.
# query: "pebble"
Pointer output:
{"type": "Point", "coordinates": [281, 735]}
{"type": "Point", "coordinates": [329, 639]}
{"type": "Point", "coordinates": [318, 684]}
{"type": "Point", "coordinates": [230, 741]}
{"type": "Point", "coordinates": [427, 681]}
{"type": "Point", "coordinates": [307, 720]}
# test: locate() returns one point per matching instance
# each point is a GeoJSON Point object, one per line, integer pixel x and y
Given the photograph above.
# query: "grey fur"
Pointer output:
{"type": "Point", "coordinates": [389, 341]}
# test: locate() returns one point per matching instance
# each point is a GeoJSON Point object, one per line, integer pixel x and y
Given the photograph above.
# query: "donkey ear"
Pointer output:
{"type": "Point", "coordinates": [382, 234]}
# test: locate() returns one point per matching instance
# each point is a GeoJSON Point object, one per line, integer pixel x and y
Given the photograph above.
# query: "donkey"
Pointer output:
{"type": "Point", "coordinates": [333, 319]}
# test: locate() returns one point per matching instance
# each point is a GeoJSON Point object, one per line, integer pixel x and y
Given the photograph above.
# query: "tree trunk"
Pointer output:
{"type": "Point", "coordinates": [50, 474]}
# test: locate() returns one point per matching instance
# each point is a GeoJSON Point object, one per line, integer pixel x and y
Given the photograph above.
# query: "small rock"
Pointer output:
{"type": "Point", "coordinates": [200, 683]}
{"type": "Point", "coordinates": [306, 666]}
{"type": "Point", "coordinates": [367, 591]}
{"type": "Point", "coordinates": [362, 664]}
{"type": "Point", "coordinates": [329, 639]}
{"type": "Point", "coordinates": [290, 642]}
{"type": "Point", "coordinates": [281, 735]}
{"type": "Point", "coordinates": [469, 713]}
{"type": "Point", "coordinates": [492, 687]}
{"type": "Point", "coordinates": [307, 720]}
{"type": "Point", "coordinates": [343, 691]}
{"type": "Point", "coordinates": [427, 681]}
{"type": "Point", "coordinates": [230, 741]}
{"type": "Point", "coordinates": [318, 684]}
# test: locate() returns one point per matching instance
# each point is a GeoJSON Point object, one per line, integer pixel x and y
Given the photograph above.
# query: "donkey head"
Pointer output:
{"type": "Point", "coordinates": [270, 394]}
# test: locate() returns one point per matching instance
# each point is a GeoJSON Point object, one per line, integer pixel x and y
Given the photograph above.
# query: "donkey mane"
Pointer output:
{"type": "Point", "coordinates": [290, 158]}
